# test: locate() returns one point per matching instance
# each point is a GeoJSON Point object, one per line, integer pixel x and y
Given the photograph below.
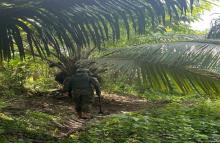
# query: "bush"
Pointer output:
{"type": "Point", "coordinates": [34, 74]}
{"type": "Point", "coordinates": [174, 123]}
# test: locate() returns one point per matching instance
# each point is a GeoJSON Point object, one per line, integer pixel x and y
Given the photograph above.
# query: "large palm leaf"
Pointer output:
{"type": "Point", "coordinates": [182, 66]}
{"type": "Point", "coordinates": [73, 24]}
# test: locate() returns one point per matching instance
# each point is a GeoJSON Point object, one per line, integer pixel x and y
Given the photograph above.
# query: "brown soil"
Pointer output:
{"type": "Point", "coordinates": [64, 108]}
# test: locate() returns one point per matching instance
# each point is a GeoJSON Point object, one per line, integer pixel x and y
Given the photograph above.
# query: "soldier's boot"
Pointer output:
{"type": "Point", "coordinates": [78, 110]}
{"type": "Point", "coordinates": [79, 114]}
{"type": "Point", "coordinates": [86, 106]}
{"type": "Point", "coordinates": [86, 115]}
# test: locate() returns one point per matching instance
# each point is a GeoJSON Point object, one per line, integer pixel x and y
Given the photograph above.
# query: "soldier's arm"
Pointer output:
{"type": "Point", "coordinates": [67, 85]}
{"type": "Point", "coordinates": [96, 85]}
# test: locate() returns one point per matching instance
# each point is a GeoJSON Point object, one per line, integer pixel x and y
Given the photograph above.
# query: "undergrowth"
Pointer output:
{"type": "Point", "coordinates": [191, 118]}
{"type": "Point", "coordinates": [174, 123]}
{"type": "Point", "coordinates": [17, 76]}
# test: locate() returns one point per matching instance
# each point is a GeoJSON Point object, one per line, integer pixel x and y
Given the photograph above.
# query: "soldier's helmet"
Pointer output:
{"type": "Point", "coordinates": [82, 70]}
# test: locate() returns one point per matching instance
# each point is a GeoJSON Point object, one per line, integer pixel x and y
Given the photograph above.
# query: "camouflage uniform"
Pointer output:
{"type": "Point", "coordinates": [60, 77]}
{"type": "Point", "coordinates": [67, 86]}
{"type": "Point", "coordinates": [81, 86]}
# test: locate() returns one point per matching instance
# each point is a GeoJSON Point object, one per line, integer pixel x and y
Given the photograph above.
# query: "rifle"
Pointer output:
{"type": "Point", "coordinates": [100, 105]}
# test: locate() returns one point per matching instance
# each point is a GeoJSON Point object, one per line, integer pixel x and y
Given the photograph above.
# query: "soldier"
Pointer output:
{"type": "Point", "coordinates": [81, 86]}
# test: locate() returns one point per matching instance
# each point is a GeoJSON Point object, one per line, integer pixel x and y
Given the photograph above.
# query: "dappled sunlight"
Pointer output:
{"type": "Point", "coordinates": [58, 117]}
{"type": "Point", "coordinates": [109, 71]}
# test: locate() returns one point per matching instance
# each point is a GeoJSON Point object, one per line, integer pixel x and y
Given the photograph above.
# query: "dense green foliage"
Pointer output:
{"type": "Point", "coordinates": [99, 21]}
{"type": "Point", "coordinates": [73, 24]}
{"type": "Point", "coordinates": [185, 122]}
{"type": "Point", "coordinates": [33, 74]}
{"type": "Point", "coordinates": [168, 119]}
{"type": "Point", "coordinates": [176, 70]}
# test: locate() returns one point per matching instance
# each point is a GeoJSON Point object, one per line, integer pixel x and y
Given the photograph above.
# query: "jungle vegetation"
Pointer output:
{"type": "Point", "coordinates": [138, 49]}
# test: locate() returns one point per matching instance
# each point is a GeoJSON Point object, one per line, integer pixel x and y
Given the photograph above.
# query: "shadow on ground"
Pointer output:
{"type": "Point", "coordinates": [52, 112]}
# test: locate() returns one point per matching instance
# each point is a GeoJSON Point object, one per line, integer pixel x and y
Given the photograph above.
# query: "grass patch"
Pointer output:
{"type": "Point", "coordinates": [31, 126]}
{"type": "Point", "coordinates": [174, 123]}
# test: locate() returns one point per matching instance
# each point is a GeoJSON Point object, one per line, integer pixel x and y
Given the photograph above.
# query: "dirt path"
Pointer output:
{"type": "Point", "coordinates": [64, 109]}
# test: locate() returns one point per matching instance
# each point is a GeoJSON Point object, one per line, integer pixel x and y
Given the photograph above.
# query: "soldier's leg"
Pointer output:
{"type": "Point", "coordinates": [86, 106]}
{"type": "Point", "coordinates": [77, 101]}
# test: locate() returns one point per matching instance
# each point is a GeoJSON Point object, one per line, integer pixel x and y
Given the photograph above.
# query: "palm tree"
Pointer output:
{"type": "Point", "coordinates": [64, 28]}
{"type": "Point", "coordinates": [70, 25]}
{"type": "Point", "coordinates": [182, 67]}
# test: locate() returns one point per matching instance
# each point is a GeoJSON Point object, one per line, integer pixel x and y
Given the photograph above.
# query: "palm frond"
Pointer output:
{"type": "Point", "coordinates": [72, 24]}
{"type": "Point", "coordinates": [185, 67]}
